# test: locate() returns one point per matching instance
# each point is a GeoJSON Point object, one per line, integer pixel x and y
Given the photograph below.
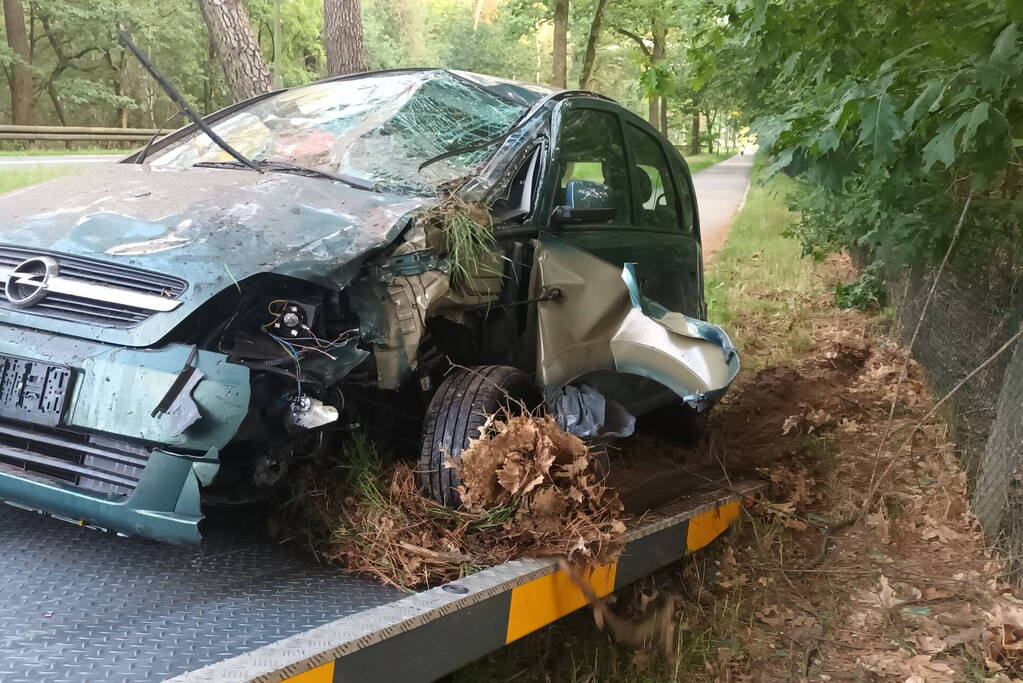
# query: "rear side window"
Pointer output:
{"type": "Point", "coordinates": [591, 148]}
{"type": "Point", "coordinates": [654, 193]}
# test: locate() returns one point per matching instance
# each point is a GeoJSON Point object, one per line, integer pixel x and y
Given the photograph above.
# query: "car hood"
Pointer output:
{"type": "Point", "coordinates": [210, 227]}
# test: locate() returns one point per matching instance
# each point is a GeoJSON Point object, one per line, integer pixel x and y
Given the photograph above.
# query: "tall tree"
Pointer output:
{"type": "Point", "coordinates": [342, 37]}
{"type": "Point", "coordinates": [656, 87]}
{"type": "Point", "coordinates": [20, 78]}
{"type": "Point", "coordinates": [586, 75]}
{"type": "Point", "coordinates": [654, 79]}
{"type": "Point", "coordinates": [559, 56]}
{"type": "Point", "coordinates": [477, 13]}
{"type": "Point", "coordinates": [236, 47]}
{"type": "Point", "coordinates": [694, 134]}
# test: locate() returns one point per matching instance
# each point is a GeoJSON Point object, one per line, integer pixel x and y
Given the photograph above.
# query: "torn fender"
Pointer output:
{"type": "Point", "coordinates": [411, 286]}
{"type": "Point", "coordinates": [602, 322]}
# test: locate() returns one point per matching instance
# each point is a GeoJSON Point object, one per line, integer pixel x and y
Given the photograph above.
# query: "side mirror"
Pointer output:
{"type": "Point", "coordinates": [586, 201]}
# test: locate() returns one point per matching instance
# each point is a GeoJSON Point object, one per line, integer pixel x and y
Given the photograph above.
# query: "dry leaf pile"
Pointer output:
{"type": "Point", "coordinates": [548, 477]}
{"type": "Point", "coordinates": [907, 591]}
{"type": "Point", "coordinates": [810, 585]}
{"type": "Point", "coordinates": [529, 490]}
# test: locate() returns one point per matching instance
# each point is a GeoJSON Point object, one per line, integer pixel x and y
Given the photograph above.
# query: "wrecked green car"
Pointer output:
{"type": "Point", "coordinates": [404, 252]}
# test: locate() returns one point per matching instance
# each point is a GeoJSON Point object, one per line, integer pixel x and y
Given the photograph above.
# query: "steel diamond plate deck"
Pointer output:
{"type": "Point", "coordinates": [78, 605]}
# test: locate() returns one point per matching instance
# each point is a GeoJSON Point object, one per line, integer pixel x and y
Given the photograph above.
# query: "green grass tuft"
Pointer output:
{"type": "Point", "coordinates": [471, 247]}
{"type": "Point", "coordinates": [63, 152]}
{"type": "Point", "coordinates": [759, 285]}
{"type": "Point", "coordinates": [12, 180]}
{"type": "Point", "coordinates": [698, 162]}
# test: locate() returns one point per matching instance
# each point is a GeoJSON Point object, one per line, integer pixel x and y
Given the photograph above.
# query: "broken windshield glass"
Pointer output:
{"type": "Point", "coordinates": [378, 129]}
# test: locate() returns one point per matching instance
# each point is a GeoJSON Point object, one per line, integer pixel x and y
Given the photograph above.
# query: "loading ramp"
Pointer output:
{"type": "Point", "coordinates": [79, 605]}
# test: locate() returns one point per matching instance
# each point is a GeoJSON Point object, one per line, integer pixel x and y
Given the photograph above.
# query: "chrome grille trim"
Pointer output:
{"type": "Point", "coordinates": [91, 291]}
{"type": "Point", "coordinates": [103, 293]}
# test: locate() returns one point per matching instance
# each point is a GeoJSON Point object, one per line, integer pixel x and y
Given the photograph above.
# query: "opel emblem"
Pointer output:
{"type": "Point", "coordinates": [27, 283]}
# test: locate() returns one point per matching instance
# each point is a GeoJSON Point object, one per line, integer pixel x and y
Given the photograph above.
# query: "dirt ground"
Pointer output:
{"type": "Point", "coordinates": [827, 586]}
{"type": "Point", "coordinates": [814, 584]}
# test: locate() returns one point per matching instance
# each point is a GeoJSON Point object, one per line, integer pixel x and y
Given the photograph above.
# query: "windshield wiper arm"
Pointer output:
{"type": "Point", "coordinates": [176, 97]}
{"type": "Point", "coordinates": [288, 167]}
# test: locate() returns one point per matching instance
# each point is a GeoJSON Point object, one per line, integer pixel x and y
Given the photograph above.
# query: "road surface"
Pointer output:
{"type": "Point", "coordinates": [720, 191]}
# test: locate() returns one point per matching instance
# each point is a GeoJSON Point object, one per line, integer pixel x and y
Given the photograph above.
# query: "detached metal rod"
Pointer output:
{"type": "Point", "coordinates": [176, 97]}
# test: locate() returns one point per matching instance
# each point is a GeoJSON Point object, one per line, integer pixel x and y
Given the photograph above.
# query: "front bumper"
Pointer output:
{"type": "Point", "coordinates": [109, 462]}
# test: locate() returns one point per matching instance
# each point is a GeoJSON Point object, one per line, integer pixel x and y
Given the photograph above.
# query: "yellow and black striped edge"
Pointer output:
{"type": "Point", "coordinates": [429, 634]}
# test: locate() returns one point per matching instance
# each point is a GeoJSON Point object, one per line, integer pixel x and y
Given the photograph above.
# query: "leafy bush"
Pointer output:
{"type": "Point", "coordinates": [865, 293]}
{"type": "Point", "coordinates": [891, 115]}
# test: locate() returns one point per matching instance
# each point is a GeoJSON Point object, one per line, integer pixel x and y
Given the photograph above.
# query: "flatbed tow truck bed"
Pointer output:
{"type": "Point", "coordinates": [78, 605]}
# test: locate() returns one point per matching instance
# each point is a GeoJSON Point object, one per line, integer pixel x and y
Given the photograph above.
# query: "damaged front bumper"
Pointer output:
{"type": "Point", "coordinates": [104, 458]}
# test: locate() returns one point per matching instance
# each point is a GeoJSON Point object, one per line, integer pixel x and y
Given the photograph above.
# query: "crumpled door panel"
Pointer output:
{"type": "Point", "coordinates": [602, 322]}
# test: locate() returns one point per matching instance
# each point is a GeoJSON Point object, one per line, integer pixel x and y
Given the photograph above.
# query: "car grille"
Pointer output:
{"type": "Point", "coordinates": [93, 463]}
{"type": "Point", "coordinates": [80, 309]}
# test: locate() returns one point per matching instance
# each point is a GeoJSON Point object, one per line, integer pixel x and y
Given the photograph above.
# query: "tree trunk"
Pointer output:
{"type": "Point", "coordinates": [710, 116]}
{"type": "Point", "coordinates": [245, 70]}
{"type": "Point", "coordinates": [659, 35]}
{"type": "Point", "coordinates": [119, 69]}
{"type": "Point", "coordinates": [559, 57]}
{"type": "Point", "coordinates": [477, 12]}
{"type": "Point", "coordinates": [586, 77]}
{"type": "Point", "coordinates": [664, 115]}
{"type": "Point", "coordinates": [207, 80]}
{"type": "Point", "coordinates": [342, 37]}
{"type": "Point", "coordinates": [20, 80]}
{"type": "Point", "coordinates": [694, 143]}
{"type": "Point", "coordinates": [58, 106]}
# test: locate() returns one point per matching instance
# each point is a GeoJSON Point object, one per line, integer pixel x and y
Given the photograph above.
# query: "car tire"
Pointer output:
{"type": "Point", "coordinates": [462, 404]}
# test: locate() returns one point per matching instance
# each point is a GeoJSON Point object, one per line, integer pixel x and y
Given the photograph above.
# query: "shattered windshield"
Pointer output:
{"type": "Point", "coordinates": [377, 128]}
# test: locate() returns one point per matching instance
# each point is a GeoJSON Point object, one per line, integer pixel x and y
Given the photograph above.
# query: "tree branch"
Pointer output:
{"type": "Point", "coordinates": [639, 40]}
{"type": "Point", "coordinates": [79, 55]}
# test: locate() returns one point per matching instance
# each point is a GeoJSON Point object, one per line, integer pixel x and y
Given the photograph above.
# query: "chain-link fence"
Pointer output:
{"type": "Point", "coordinates": [977, 307]}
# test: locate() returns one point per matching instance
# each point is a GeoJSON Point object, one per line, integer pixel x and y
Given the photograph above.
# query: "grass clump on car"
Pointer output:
{"type": "Point", "coordinates": [528, 489]}
{"type": "Point", "coordinates": [464, 232]}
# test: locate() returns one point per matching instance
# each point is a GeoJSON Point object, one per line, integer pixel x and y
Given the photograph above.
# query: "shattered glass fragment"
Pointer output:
{"type": "Point", "coordinates": [378, 129]}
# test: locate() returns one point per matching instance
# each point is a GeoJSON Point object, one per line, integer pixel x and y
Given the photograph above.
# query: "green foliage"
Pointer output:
{"type": "Point", "coordinates": [12, 180]}
{"type": "Point", "coordinates": [83, 76]}
{"type": "Point", "coordinates": [302, 51]}
{"type": "Point", "coordinates": [889, 115]}
{"type": "Point", "coordinates": [865, 293]}
{"type": "Point", "coordinates": [7, 56]}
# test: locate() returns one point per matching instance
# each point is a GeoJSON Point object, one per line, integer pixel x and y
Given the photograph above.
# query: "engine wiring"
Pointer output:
{"type": "Point", "coordinates": [297, 351]}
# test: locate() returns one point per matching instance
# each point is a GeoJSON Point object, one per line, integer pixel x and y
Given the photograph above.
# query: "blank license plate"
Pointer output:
{"type": "Point", "coordinates": [33, 391]}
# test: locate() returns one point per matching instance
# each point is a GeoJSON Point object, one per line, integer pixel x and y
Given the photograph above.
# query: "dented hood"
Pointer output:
{"type": "Point", "coordinates": [210, 227]}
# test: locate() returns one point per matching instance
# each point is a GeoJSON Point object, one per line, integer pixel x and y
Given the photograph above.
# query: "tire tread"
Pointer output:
{"type": "Point", "coordinates": [462, 403]}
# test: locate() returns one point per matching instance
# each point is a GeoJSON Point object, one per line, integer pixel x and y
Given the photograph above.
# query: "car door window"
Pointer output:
{"type": "Point", "coordinates": [654, 192]}
{"type": "Point", "coordinates": [591, 148]}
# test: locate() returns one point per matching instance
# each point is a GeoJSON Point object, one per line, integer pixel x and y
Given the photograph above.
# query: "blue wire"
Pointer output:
{"type": "Point", "coordinates": [298, 365]}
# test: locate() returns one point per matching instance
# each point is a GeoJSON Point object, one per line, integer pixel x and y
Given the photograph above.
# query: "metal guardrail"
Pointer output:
{"type": "Point", "coordinates": [76, 133]}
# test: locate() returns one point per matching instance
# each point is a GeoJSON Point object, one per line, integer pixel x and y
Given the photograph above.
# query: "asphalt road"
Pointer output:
{"type": "Point", "coordinates": [720, 192]}
{"type": "Point", "coordinates": [64, 160]}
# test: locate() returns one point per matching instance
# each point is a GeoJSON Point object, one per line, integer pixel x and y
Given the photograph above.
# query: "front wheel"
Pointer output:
{"type": "Point", "coordinates": [464, 401]}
